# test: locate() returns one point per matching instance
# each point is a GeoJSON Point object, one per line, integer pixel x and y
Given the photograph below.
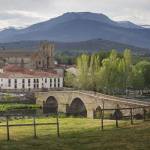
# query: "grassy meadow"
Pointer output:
{"type": "Point", "coordinates": [77, 134]}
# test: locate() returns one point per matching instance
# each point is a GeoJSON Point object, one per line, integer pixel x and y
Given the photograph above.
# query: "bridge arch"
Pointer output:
{"type": "Point", "coordinates": [97, 112]}
{"type": "Point", "coordinates": [91, 101]}
{"type": "Point", "coordinates": [50, 105]}
{"type": "Point", "coordinates": [77, 108]}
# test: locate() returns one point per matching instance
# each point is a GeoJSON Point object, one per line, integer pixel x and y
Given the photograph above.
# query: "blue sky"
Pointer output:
{"type": "Point", "coordinates": [20, 13]}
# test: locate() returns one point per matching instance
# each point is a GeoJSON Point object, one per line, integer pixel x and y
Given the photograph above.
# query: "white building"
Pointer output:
{"type": "Point", "coordinates": [13, 77]}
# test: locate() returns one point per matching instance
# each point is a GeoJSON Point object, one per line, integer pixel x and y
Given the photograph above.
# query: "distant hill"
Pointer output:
{"type": "Point", "coordinates": [73, 47]}
{"type": "Point", "coordinates": [83, 26]}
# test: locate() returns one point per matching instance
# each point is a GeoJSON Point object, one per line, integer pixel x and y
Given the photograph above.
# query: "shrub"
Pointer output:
{"type": "Point", "coordinates": [138, 116]}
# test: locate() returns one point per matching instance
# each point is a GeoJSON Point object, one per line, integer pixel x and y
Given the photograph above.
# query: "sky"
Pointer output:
{"type": "Point", "coordinates": [21, 13]}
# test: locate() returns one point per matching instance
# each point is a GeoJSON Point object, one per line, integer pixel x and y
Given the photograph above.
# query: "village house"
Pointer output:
{"type": "Point", "coordinates": [13, 77]}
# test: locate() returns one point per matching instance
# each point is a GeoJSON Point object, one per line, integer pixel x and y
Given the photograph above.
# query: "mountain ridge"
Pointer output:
{"type": "Point", "coordinates": [98, 17]}
{"type": "Point", "coordinates": [73, 48]}
{"type": "Point", "coordinates": [82, 26]}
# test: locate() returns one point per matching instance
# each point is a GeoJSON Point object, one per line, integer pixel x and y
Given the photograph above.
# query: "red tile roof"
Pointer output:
{"type": "Point", "coordinates": [13, 71]}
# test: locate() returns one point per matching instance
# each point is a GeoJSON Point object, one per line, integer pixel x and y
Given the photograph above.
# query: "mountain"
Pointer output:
{"type": "Point", "coordinates": [73, 47]}
{"type": "Point", "coordinates": [128, 24]}
{"type": "Point", "coordinates": [82, 26]}
{"type": "Point", "coordinates": [8, 32]}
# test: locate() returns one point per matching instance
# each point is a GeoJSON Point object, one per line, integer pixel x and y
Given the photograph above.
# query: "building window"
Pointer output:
{"type": "Point", "coordinates": [15, 80]}
{"type": "Point", "coordinates": [9, 82]}
{"type": "Point", "coordinates": [54, 82]}
{"type": "Point", "coordinates": [15, 83]}
{"type": "Point", "coordinates": [58, 82]}
{"type": "Point", "coordinates": [50, 82]}
{"type": "Point", "coordinates": [34, 83]}
{"type": "Point", "coordinates": [37, 83]}
{"type": "Point", "coordinates": [29, 81]}
{"type": "Point", "coordinates": [45, 80]}
{"type": "Point", "coordinates": [23, 83]}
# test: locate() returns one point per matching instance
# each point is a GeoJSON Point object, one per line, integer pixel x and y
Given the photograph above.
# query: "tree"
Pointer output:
{"type": "Point", "coordinates": [83, 77]}
{"type": "Point", "coordinates": [94, 68]}
{"type": "Point", "coordinates": [69, 80]}
{"type": "Point", "coordinates": [109, 72]}
{"type": "Point", "coordinates": [128, 67]}
{"type": "Point", "coordinates": [137, 77]}
{"type": "Point", "coordinates": [141, 75]}
{"type": "Point", "coordinates": [112, 74]}
{"type": "Point", "coordinates": [121, 84]}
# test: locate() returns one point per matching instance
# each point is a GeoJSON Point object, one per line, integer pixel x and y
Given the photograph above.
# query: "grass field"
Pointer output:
{"type": "Point", "coordinates": [78, 134]}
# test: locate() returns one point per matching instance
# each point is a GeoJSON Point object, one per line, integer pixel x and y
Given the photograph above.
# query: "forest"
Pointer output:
{"type": "Point", "coordinates": [111, 73]}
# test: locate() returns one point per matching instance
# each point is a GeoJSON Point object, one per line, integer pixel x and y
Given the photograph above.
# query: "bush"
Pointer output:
{"type": "Point", "coordinates": [7, 107]}
{"type": "Point", "coordinates": [117, 114]}
{"type": "Point", "coordinates": [138, 116]}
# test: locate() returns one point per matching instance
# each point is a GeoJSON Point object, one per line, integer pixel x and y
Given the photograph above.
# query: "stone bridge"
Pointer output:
{"type": "Point", "coordinates": [85, 103]}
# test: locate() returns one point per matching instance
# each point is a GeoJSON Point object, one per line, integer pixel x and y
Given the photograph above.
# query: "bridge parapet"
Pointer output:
{"type": "Point", "coordinates": [91, 100]}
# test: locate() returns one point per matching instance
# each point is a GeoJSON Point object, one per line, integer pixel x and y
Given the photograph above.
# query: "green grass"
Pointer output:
{"type": "Point", "coordinates": [6, 107]}
{"type": "Point", "coordinates": [9, 97]}
{"type": "Point", "coordinates": [78, 134]}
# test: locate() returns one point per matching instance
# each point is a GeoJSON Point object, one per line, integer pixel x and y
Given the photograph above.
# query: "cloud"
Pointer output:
{"type": "Point", "coordinates": [4, 24]}
{"type": "Point", "coordinates": [25, 12]}
{"type": "Point", "coordinates": [138, 16]}
{"type": "Point", "coordinates": [11, 14]}
{"type": "Point", "coordinates": [28, 14]}
{"type": "Point", "coordinates": [18, 18]}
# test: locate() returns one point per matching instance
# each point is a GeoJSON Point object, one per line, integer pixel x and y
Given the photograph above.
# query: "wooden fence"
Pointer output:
{"type": "Point", "coordinates": [34, 124]}
{"type": "Point", "coordinates": [102, 118]}
{"type": "Point", "coordinates": [131, 116]}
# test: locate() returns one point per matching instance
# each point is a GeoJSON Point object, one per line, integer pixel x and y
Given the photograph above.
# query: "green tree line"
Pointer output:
{"type": "Point", "coordinates": [111, 73]}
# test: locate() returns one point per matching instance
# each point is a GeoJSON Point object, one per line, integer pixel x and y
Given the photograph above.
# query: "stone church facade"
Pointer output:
{"type": "Point", "coordinates": [43, 59]}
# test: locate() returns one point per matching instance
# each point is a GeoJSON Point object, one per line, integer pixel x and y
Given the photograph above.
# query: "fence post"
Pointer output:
{"type": "Point", "coordinates": [34, 125]}
{"type": "Point", "coordinates": [144, 114]}
{"type": "Point", "coordinates": [7, 126]}
{"type": "Point", "coordinates": [57, 119]}
{"type": "Point", "coordinates": [116, 116]}
{"type": "Point", "coordinates": [102, 119]}
{"type": "Point", "coordinates": [131, 117]}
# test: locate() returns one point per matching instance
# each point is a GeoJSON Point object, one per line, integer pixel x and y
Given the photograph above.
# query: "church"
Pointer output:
{"type": "Point", "coordinates": [43, 59]}
{"type": "Point", "coordinates": [30, 70]}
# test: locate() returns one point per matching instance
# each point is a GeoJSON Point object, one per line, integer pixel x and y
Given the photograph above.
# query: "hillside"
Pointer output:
{"type": "Point", "coordinates": [73, 47]}
{"type": "Point", "coordinates": [77, 27]}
